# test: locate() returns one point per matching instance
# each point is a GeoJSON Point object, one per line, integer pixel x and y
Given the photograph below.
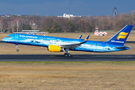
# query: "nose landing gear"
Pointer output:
{"type": "Point", "coordinates": [17, 47]}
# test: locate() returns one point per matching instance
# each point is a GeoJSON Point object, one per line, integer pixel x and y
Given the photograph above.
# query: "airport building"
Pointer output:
{"type": "Point", "coordinates": [68, 16]}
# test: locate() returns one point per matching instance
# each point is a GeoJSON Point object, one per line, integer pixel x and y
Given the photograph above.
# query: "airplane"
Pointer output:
{"type": "Point", "coordinates": [60, 44]}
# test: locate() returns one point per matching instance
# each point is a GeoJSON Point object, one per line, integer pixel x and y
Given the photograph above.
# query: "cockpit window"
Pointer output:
{"type": "Point", "coordinates": [9, 36]}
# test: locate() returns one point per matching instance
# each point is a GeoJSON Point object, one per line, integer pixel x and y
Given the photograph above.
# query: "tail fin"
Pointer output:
{"type": "Point", "coordinates": [121, 37]}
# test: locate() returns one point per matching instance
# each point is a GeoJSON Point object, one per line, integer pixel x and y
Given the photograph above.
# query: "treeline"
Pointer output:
{"type": "Point", "coordinates": [59, 24]}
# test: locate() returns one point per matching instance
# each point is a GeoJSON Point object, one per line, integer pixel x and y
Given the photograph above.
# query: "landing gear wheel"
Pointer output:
{"type": "Point", "coordinates": [17, 50]}
{"type": "Point", "coordinates": [67, 54]}
{"type": "Point", "coordinates": [17, 47]}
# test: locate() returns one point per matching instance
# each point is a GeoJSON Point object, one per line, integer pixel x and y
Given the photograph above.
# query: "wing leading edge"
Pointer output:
{"type": "Point", "coordinates": [74, 45]}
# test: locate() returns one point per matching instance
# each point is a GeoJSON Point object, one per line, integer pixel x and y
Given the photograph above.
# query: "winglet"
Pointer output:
{"type": "Point", "coordinates": [80, 37]}
{"type": "Point", "coordinates": [86, 39]}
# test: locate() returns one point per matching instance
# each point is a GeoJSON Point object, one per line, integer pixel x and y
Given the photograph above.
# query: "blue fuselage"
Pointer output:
{"type": "Point", "coordinates": [38, 40]}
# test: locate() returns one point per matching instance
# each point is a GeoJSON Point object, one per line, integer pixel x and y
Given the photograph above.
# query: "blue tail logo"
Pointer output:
{"type": "Point", "coordinates": [121, 37]}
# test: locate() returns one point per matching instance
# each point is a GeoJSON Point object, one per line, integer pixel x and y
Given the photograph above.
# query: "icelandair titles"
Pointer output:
{"type": "Point", "coordinates": [117, 41]}
{"type": "Point", "coordinates": [28, 36]}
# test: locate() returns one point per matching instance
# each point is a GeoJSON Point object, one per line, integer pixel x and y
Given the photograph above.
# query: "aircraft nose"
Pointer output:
{"type": "Point", "coordinates": [4, 39]}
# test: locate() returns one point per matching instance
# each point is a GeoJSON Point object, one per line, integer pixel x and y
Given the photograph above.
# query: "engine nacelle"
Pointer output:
{"type": "Point", "coordinates": [55, 48]}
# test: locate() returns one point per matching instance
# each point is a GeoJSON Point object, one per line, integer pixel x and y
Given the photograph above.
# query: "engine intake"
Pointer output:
{"type": "Point", "coordinates": [55, 48]}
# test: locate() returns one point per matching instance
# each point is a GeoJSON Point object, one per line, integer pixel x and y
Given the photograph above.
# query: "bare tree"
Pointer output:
{"type": "Point", "coordinates": [79, 24]}
{"type": "Point", "coordinates": [19, 24]}
{"type": "Point", "coordinates": [3, 24]}
{"type": "Point", "coordinates": [48, 23]}
{"type": "Point", "coordinates": [83, 25]}
{"type": "Point", "coordinates": [11, 26]}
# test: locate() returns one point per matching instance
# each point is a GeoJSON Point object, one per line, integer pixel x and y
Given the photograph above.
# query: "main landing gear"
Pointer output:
{"type": "Point", "coordinates": [17, 47]}
{"type": "Point", "coordinates": [67, 54]}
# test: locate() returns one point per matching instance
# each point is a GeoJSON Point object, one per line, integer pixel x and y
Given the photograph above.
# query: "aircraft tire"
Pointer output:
{"type": "Point", "coordinates": [17, 50]}
{"type": "Point", "coordinates": [67, 54]}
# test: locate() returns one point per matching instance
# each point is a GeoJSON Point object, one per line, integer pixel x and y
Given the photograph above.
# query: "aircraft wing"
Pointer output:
{"type": "Point", "coordinates": [74, 45]}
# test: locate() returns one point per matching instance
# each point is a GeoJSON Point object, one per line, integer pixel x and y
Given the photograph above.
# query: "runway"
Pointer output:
{"type": "Point", "coordinates": [126, 42]}
{"type": "Point", "coordinates": [88, 57]}
{"type": "Point", "coordinates": [63, 58]}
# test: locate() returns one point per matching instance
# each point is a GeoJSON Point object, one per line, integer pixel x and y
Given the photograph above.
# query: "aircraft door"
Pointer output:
{"type": "Point", "coordinates": [16, 37]}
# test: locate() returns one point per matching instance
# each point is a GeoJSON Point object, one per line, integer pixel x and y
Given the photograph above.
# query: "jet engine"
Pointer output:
{"type": "Point", "coordinates": [55, 48]}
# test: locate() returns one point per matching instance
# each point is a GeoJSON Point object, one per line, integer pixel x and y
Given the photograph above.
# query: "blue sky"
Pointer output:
{"type": "Point", "coordinates": [58, 7]}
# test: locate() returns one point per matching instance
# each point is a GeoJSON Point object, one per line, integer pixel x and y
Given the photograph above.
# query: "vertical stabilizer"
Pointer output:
{"type": "Point", "coordinates": [121, 37]}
